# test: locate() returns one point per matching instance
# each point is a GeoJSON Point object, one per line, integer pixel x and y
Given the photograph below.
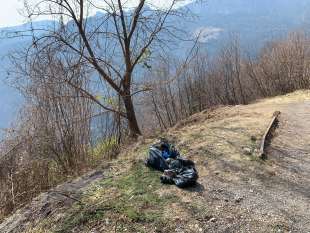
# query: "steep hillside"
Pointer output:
{"type": "Point", "coordinates": [236, 192]}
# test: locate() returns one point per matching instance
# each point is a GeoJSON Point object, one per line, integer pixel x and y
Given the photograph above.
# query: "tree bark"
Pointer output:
{"type": "Point", "coordinates": [131, 116]}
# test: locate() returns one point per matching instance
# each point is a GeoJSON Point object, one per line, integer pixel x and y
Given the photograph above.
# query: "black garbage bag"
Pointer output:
{"type": "Point", "coordinates": [186, 177]}
{"type": "Point", "coordinates": [182, 173]}
{"type": "Point", "coordinates": [180, 163]}
{"type": "Point", "coordinates": [155, 160]}
{"type": "Point", "coordinates": [159, 152]}
{"type": "Point", "coordinates": [177, 170]}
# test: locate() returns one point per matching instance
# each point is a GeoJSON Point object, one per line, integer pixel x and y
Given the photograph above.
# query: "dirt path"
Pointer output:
{"type": "Point", "coordinates": [271, 197]}
{"type": "Point", "coordinates": [290, 153]}
{"type": "Point", "coordinates": [244, 196]}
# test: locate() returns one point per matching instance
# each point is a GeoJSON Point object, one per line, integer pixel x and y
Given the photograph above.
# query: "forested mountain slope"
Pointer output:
{"type": "Point", "coordinates": [255, 21]}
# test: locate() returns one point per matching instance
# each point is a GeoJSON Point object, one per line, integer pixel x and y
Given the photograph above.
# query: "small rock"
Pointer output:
{"type": "Point", "coordinates": [212, 220]}
{"type": "Point", "coordinates": [238, 199]}
{"type": "Point", "coordinates": [253, 138]}
{"type": "Point", "coordinates": [247, 151]}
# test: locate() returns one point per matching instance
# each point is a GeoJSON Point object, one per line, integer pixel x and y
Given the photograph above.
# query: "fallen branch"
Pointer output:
{"type": "Point", "coordinates": [268, 134]}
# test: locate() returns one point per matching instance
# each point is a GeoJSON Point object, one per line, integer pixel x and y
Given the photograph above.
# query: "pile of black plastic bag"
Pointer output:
{"type": "Point", "coordinates": [177, 170]}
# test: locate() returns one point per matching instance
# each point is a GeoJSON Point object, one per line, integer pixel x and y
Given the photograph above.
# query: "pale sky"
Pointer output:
{"type": "Point", "coordinates": [9, 15]}
{"type": "Point", "coordinates": [9, 11]}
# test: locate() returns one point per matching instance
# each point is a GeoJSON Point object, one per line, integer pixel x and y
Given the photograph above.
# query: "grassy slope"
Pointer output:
{"type": "Point", "coordinates": [131, 199]}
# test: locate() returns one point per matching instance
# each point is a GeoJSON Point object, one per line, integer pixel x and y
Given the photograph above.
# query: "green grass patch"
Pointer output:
{"type": "Point", "coordinates": [138, 200]}
{"type": "Point", "coordinates": [80, 215]}
{"type": "Point", "coordinates": [134, 197]}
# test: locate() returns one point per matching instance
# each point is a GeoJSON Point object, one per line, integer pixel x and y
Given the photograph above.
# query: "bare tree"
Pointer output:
{"type": "Point", "coordinates": [114, 43]}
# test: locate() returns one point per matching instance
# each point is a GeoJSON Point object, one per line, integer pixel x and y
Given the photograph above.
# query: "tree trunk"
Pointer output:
{"type": "Point", "coordinates": [131, 116]}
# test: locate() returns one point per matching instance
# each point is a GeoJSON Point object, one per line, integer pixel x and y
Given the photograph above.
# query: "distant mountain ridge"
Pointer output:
{"type": "Point", "coordinates": [255, 21]}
